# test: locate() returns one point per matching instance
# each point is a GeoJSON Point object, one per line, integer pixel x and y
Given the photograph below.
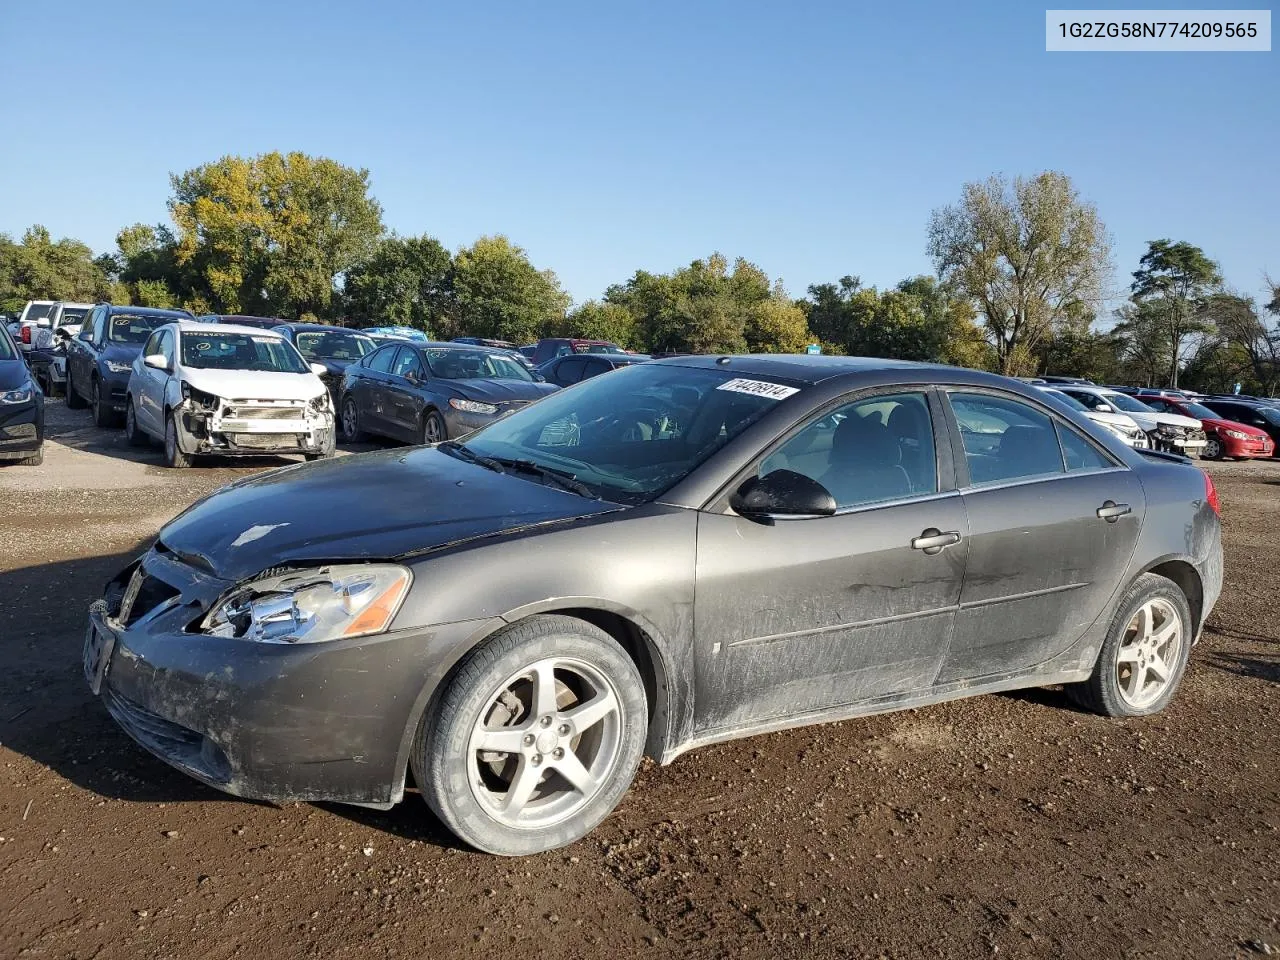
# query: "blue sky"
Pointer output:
{"type": "Point", "coordinates": [812, 138]}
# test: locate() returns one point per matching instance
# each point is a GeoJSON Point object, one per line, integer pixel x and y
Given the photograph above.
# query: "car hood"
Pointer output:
{"type": "Point", "coordinates": [1176, 420]}
{"type": "Point", "coordinates": [500, 391]}
{"type": "Point", "coordinates": [371, 506]}
{"type": "Point", "coordinates": [255, 384]}
{"type": "Point", "coordinates": [121, 352]}
{"type": "Point", "coordinates": [13, 374]}
{"type": "Point", "coordinates": [1115, 419]}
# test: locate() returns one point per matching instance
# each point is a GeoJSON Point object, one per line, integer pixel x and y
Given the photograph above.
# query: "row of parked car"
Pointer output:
{"type": "Point", "coordinates": [1215, 427]}
{"type": "Point", "coordinates": [234, 384]}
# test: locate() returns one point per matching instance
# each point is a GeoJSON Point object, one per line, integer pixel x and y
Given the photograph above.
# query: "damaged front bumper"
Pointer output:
{"type": "Point", "coordinates": [210, 425]}
{"type": "Point", "coordinates": [307, 722]}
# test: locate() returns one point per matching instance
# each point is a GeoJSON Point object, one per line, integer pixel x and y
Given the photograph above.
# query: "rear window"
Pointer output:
{"type": "Point", "coordinates": [73, 316]}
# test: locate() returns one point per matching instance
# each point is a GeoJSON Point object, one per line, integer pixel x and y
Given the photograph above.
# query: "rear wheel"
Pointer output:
{"type": "Point", "coordinates": [1145, 653]}
{"type": "Point", "coordinates": [102, 415]}
{"type": "Point", "coordinates": [433, 428]}
{"type": "Point", "coordinates": [74, 400]}
{"type": "Point", "coordinates": [535, 739]}
{"type": "Point", "coordinates": [173, 454]}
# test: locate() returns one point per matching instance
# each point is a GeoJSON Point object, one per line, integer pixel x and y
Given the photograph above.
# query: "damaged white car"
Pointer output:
{"type": "Point", "coordinates": [214, 389]}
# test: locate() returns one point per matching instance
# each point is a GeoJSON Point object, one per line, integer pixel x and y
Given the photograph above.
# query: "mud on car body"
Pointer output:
{"type": "Point", "coordinates": [863, 536]}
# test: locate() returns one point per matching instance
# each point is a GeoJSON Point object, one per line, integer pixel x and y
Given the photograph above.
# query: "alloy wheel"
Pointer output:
{"type": "Point", "coordinates": [350, 419]}
{"type": "Point", "coordinates": [545, 743]}
{"type": "Point", "coordinates": [1148, 654]}
{"type": "Point", "coordinates": [1212, 448]}
{"type": "Point", "coordinates": [432, 429]}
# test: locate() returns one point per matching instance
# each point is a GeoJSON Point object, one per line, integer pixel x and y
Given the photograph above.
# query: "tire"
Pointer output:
{"type": "Point", "coordinates": [466, 786]}
{"type": "Point", "coordinates": [351, 431]}
{"type": "Point", "coordinates": [134, 436]}
{"type": "Point", "coordinates": [34, 460]}
{"type": "Point", "coordinates": [74, 400]}
{"type": "Point", "coordinates": [1105, 692]}
{"type": "Point", "coordinates": [1212, 449]}
{"type": "Point", "coordinates": [102, 415]}
{"type": "Point", "coordinates": [173, 454]}
{"type": "Point", "coordinates": [433, 428]}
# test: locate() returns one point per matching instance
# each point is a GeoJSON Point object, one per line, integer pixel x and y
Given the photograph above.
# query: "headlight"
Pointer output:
{"type": "Point", "coordinates": [199, 397]}
{"type": "Point", "coordinates": [115, 367]}
{"type": "Point", "coordinates": [1236, 434]}
{"type": "Point", "coordinates": [21, 395]}
{"type": "Point", "coordinates": [321, 403]}
{"type": "Point", "coordinates": [473, 406]}
{"type": "Point", "coordinates": [1169, 430]}
{"type": "Point", "coordinates": [312, 606]}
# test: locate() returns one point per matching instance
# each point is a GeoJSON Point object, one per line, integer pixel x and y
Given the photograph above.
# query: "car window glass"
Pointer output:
{"type": "Point", "coordinates": [166, 346]}
{"type": "Point", "coordinates": [874, 449]}
{"type": "Point", "coordinates": [569, 370]}
{"type": "Point", "coordinates": [407, 364]}
{"type": "Point", "coordinates": [153, 344]}
{"type": "Point", "coordinates": [100, 326]}
{"type": "Point", "coordinates": [1078, 452]}
{"type": "Point", "coordinates": [596, 367]}
{"type": "Point", "coordinates": [87, 329]}
{"type": "Point", "coordinates": [1005, 439]}
{"type": "Point", "coordinates": [381, 360]}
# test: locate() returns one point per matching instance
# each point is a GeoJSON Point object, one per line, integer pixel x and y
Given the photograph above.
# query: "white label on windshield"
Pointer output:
{"type": "Point", "coordinates": [759, 388]}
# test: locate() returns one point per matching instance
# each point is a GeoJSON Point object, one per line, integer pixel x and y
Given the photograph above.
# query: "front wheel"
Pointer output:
{"type": "Point", "coordinates": [1212, 449]}
{"type": "Point", "coordinates": [535, 739]}
{"type": "Point", "coordinates": [102, 415]}
{"type": "Point", "coordinates": [433, 428]}
{"type": "Point", "coordinates": [173, 454]}
{"type": "Point", "coordinates": [1144, 654]}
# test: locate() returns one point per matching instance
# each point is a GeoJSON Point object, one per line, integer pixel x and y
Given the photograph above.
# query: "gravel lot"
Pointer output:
{"type": "Point", "coordinates": [1008, 825]}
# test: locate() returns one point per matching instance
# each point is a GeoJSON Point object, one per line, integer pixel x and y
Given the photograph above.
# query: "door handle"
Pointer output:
{"type": "Point", "coordinates": [1111, 511]}
{"type": "Point", "coordinates": [934, 540]}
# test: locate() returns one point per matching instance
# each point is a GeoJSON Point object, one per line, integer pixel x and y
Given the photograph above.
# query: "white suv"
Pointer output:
{"type": "Point", "coordinates": [1166, 431]}
{"type": "Point", "coordinates": [217, 389]}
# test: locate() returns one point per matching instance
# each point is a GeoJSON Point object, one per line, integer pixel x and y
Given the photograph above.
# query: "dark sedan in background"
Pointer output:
{"type": "Point", "coordinates": [100, 358]}
{"type": "Point", "coordinates": [335, 348]}
{"type": "Point", "coordinates": [21, 407]}
{"type": "Point", "coordinates": [576, 367]}
{"type": "Point", "coordinates": [427, 392]}
{"type": "Point", "coordinates": [682, 552]}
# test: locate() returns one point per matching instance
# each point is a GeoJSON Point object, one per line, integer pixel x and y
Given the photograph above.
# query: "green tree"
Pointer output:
{"type": "Point", "coordinates": [1252, 341]}
{"type": "Point", "coordinates": [1142, 346]}
{"type": "Point", "coordinates": [408, 280]}
{"type": "Point", "coordinates": [146, 265]}
{"type": "Point", "coordinates": [40, 268]}
{"type": "Point", "coordinates": [1173, 279]}
{"type": "Point", "coordinates": [1025, 251]}
{"type": "Point", "coordinates": [596, 320]}
{"type": "Point", "coordinates": [498, 293]}
{"type": "Point", "coordinates": [270, 234]}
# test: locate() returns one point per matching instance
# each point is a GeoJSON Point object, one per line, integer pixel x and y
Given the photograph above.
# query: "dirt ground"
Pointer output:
{"type": "Point", "coordinates": [1009, 825]}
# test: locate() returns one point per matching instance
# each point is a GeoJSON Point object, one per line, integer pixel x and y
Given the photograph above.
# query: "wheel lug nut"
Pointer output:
{"type": "Point", "coordinates": [536, 759]}
{"type": "Point", "coordinates": [528, 739]}
{"type": "Point", "coordinates": [564, 729]}
{"type": "Point", "coordinates": [558, 753]}
{"type": "Point", "coordinates": [545, 721]}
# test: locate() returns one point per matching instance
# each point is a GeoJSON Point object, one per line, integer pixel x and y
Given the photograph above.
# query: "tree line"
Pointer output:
{"type": "Point", "coordinates": [1022, 278]}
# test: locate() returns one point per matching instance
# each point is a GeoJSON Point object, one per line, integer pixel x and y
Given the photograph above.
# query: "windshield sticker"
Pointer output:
{"type": "Point", "coordinates": [759, 388]}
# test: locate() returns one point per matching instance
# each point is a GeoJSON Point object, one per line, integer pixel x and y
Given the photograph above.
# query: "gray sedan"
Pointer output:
{"type": "Point", "coordinates": [680, 553]}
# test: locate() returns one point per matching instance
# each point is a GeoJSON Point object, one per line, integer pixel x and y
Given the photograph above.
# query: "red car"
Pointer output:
{"type": "Point", "coordinates": [1226, 438]}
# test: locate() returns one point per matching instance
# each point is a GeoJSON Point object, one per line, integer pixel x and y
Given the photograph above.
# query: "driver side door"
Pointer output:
{"type": "Point", "coordinates": [149, 401]}
{"type": "Point", "coordinates": [797, 617]}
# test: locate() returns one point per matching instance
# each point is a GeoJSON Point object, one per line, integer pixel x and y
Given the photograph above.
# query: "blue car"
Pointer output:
{"type": "Point", "coordinates": [100, 359]}
{"type": "Point", "coordinates": [21, 407]}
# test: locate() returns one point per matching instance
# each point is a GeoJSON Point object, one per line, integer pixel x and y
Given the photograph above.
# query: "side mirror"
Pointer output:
{"type": "Point", "coordinates": [319, 369]}
{"type": "Point", "coordinates": [782, 493]}
{"type": "Point", "coordinates": [156, 361]}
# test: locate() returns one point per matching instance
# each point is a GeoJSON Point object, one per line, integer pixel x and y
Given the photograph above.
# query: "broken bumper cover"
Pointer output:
{"type": "Point", "coordinates": [279, 722]}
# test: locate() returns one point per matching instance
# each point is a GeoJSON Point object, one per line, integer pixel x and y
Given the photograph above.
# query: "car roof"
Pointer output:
{"type": "Point", "coordinates": [811, 369]}
{"type": "Point", "coordinates": [299, 327]}
{"type": "Point", "coordinates": [148, 311]}
{"type": "Point", "coordinates": [195, 326]}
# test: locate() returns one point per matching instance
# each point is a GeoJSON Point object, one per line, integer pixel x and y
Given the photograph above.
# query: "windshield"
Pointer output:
{"type": "Point", "coordinates": [70, 316]}
{"type": "Point", "coordinates": [240, 351]}
{"type": "Point", "coordinates": [635, 433]}
{"type": "Point", "coordinates": [333, 345]}
{"type": "Point", "coordinates": [1122, 401]}
{"type": "Point", "coordinates": [1070, 401]}
{"type": "Point", "coordinates": [451, 363]}
{"type": "Point", "coordinates": [1197, 411]}
{"type": "Point", "coordinates": [134, 328]}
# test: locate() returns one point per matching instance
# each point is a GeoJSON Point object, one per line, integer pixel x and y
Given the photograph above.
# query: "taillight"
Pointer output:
{"type": "Point", "coordinates": [26, 334]}
{"type": "Point", "coordinates": [1211, 495]}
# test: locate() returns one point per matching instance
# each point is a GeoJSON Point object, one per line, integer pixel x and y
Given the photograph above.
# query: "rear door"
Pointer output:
{"type": "Point", "coordinates": [1053, 521]}
{"type": "Point", "coordinates": [367, 389]}
{"type": "Point", "coordinates": [401, 390]}
{"type": "Point", "coordinates": [799, 616]}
